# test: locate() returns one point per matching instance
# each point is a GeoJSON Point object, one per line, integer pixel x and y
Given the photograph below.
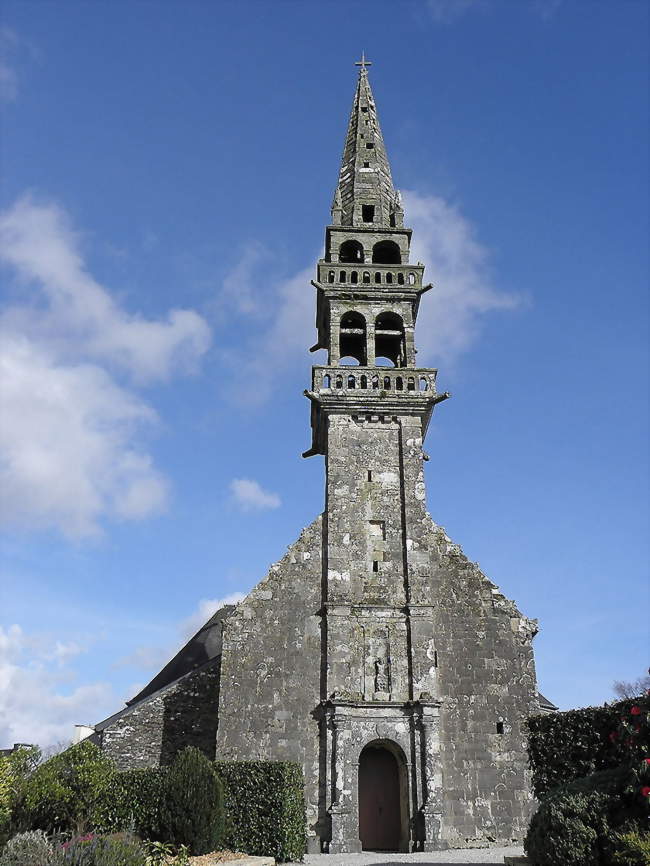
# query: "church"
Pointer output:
{"type": "Point", "coordinates": [374, 654]}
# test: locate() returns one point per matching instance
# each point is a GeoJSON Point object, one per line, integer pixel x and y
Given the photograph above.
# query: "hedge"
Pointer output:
{"type": "Point", "coordinates": [192, 808]}
{"type": "Point", "coordinates": [265, 808]}
{"type": "Point", "coordinates": [570, 745]}
{"type": "Point", "coordinates": [131, 800]}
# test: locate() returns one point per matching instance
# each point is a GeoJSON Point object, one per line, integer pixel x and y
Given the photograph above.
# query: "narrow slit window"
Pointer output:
{"type": "Point", "coordinates": [368, 213]}
{"type": "Point", "coordinates": [369, 145]}
{"type": "Point", "coordinates": [364, 109]}
{"type": "Point", "coordinates": [375, 565]}
{"type": "Point", "coordinates": [499, 727]}
{"type": "Point", "coordinates": [369, 475]}
{"type": "Point", "coordinates": [366, 165]}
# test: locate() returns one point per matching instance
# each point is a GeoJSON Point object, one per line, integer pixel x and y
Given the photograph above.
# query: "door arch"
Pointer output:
{"type": "Point", "coordinates": [383, 818]}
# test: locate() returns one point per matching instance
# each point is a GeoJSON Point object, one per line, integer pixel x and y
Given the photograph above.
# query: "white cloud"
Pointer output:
{"type": "Point", "coordinates": [443, 11]}
{"type": "Point", "coordinates": [204, 610]}
{"type": "Point", "coordinates": [449, 319]}
{"type": "Point", "coordinates": [70, 454]}
{"type": "Point", "coordinates": [250, 496]}
{"type": "Point", "coordinates": [239, 290]}
{"type": "Point", "coordinates": [37, 704]}
{"type": "Point", "coordinates": [67, 452]}
{"type": "Point", "coordinates": [36, 239]}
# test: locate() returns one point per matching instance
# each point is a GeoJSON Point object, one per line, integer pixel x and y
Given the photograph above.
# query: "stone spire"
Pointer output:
{"type": "Point", "coordinates": [365, 181]}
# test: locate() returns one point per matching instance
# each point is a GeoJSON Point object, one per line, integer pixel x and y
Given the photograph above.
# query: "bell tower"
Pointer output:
{"type": "Point", "coordinates": [370, 408]}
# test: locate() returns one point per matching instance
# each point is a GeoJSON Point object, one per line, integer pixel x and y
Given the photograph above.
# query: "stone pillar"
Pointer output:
{"type": "Point", "coordinates": [345, 824]}
{"type": "Point", "coordinates": [432, 788]}
{"type": "Point", "coordinates": [370, 343]}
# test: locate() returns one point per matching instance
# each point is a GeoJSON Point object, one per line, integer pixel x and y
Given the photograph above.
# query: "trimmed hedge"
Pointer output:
{"type": "Point", "coordinates": [131, 800]}
{"type": "Point", "coordinates": [265, 808]}
{"type": "Point", "coordinates": [570, 745]}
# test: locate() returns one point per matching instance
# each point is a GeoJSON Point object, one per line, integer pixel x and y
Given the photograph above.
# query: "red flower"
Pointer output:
{"type": "Point", "coordinates": [613, 736]}
{"type": "Point", "coordinates": [645, 791]}
{"type": "Point", "coordinates": [647, 760]}
{"type": "Point", "coordinates": [636, 711]}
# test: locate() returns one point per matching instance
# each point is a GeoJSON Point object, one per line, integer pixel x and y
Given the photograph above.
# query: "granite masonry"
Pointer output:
{"type": "Point", "coordinates": [374, 653]}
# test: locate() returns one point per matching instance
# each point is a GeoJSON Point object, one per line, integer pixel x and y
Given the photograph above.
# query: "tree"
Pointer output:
{"type": "Point", "coordinates": [634, 689]}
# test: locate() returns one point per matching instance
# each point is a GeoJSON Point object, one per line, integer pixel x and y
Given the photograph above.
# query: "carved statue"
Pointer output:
{"type": "Point", "coordinates": [382, 680]}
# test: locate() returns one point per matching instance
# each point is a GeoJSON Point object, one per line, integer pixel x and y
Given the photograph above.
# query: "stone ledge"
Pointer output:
{"type": "Point", "coordinates": [516, 861]}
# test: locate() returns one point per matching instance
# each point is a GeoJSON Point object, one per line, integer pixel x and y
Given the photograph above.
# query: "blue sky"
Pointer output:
{"type": "Point", "coordinates": [168, 171]}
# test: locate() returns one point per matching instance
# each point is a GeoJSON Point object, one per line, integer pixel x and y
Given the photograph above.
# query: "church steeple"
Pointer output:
{"type": "Point", "coordinates": [365, 193]}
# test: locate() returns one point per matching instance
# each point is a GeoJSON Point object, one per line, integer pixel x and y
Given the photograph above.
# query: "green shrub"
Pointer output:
{"type": "Point", "coordinates": [61, 793]}
{"type": "Point", "coordinates": [29, 849]}
{"type": "Point", "coordinates": [578, 824]}
{"type": "Point", "coordinates": [192, 808]}
{"type": "Point", "coordinates": [571, 745]}
{"type": "Point", "coordinates": [131, 800]}
{"type": "Point", "coordinates": [117, 850]}
{"type": "Point", "coordinates": [632, 849]}
{"type": "Point", "coordinates": [265, 809]}
{"type": "Point", "coordinates": [14, 769]}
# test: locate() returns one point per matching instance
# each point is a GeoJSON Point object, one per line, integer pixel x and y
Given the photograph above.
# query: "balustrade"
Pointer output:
{"type": "Point", "coordinates": [400, 380]}
{"type": "Point", "coordinates": [409, 276]}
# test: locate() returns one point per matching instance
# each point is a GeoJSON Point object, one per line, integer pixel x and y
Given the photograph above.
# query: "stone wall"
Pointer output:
{"type": "Point", "coordinates": [150, 733]}
{"type": "Point", "coordinates": [271, 671]}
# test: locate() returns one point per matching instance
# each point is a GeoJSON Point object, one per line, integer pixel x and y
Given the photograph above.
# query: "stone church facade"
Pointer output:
{"type": "Point", "coordinates": [375, 654]}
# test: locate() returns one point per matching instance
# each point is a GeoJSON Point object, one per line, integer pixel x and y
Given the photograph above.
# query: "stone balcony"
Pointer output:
{"type": "Point", "coordinates": [378, 277]}
{"type": "Point", "coordinates": [399, 381]}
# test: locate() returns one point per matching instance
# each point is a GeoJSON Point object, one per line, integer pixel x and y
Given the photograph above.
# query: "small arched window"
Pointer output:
{"type": "Point", "coordinates": [386, 383]}
{"type": "Point", "coordinates": [352, 336]}
{"type": "Point", "coordinates": [352, 382]}
{"type": "Point", "coordinates": [423, 384]}
{"type": "Point", "coordinates": [375, 382]}
{"type": "Point", "coordinates": [354, 277]}
{"type": "Point", "coordinates": [326, 380]}
{"type": "Point", "coordinates": [364, 382]}
{"type": "Point", "coordinates": [351, 252]}
{"type": "Point", "coordinates": [339, 382]}
{"type": "Point", "coordinates": [366, 277]}
{"type": "Point", "coordinates": [411, 384]}
{"type": "Point", "coordinates": [400, 278]}
{"type": "Point", "coordinates": [378, 277]}
{"type": "Point", "coordinates": [411, 279]}
{"type": "Point", "coordinates": [389, 338]}
{"type": "Point", "coordinates": [330, 277]}
{"type": "Point", "coordinates": [389, 278]}
{"type": "Point", "coordinates": [342, 277]}
{"type": "Point", "coordinates": [399, 384]}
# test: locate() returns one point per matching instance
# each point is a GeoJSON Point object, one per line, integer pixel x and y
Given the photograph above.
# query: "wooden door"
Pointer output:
{"type": "Point", "coordinates": [379, 800]}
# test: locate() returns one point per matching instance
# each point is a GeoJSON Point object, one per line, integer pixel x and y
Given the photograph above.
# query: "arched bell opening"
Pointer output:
{"type": "Point", "coordinates": [386, 253]}
{"type": "Point", "coordinates": [389, 339]}
{"type": "Point", "coordinates": [383, 797]}
{"type": "Point", "coordinates": [351, 252]}
{"type": "Point", "coordinates": [353, 338]}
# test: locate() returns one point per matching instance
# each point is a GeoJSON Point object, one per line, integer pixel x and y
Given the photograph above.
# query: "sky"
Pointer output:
{"type": "Point", "coordinates": [168, 169]}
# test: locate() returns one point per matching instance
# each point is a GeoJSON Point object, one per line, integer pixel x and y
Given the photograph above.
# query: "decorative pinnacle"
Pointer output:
{"type": "Point", "coordinates": [363, 62]}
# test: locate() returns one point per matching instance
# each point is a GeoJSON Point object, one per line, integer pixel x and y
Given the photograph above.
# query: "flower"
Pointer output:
{"type": "Point", "coordinates": [636, 711]}
{"type": "Point", "coordinates": [613, 736]}
{"type": "Point", "coordinates": [645, 791]}
{"type": "Point", "coordinates": [647, 760]}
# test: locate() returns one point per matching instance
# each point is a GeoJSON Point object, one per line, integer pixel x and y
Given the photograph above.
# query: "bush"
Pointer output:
{"type": "Point", "coordinates": [118, 850]}
{"type": "Point", "coordinates": [632, 849]}
{"type": "Point", "coordinates": [14, 769]}
{"type": "Point", "coordinates": [578, 824]}
{"type": "Point", "coordinates": [192, 809]}
{"type": "Point", "coordinates": [265, 810]}
{"type": "Point", "coordinates": [61, 793]}
{"type": "Point", "coordinates": [29, 849]}
{"type": "Point", "coordinates": [131, 800]}
{"type": "Point", "coordinates": [570, 745]}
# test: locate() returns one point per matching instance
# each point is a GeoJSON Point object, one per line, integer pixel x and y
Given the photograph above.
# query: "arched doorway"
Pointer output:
{"type": "Point", "coordinates": [381, 799]}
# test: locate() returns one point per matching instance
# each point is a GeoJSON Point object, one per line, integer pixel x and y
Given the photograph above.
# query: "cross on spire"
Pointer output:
{"type": "Point", "coordinates": [363, 62]}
